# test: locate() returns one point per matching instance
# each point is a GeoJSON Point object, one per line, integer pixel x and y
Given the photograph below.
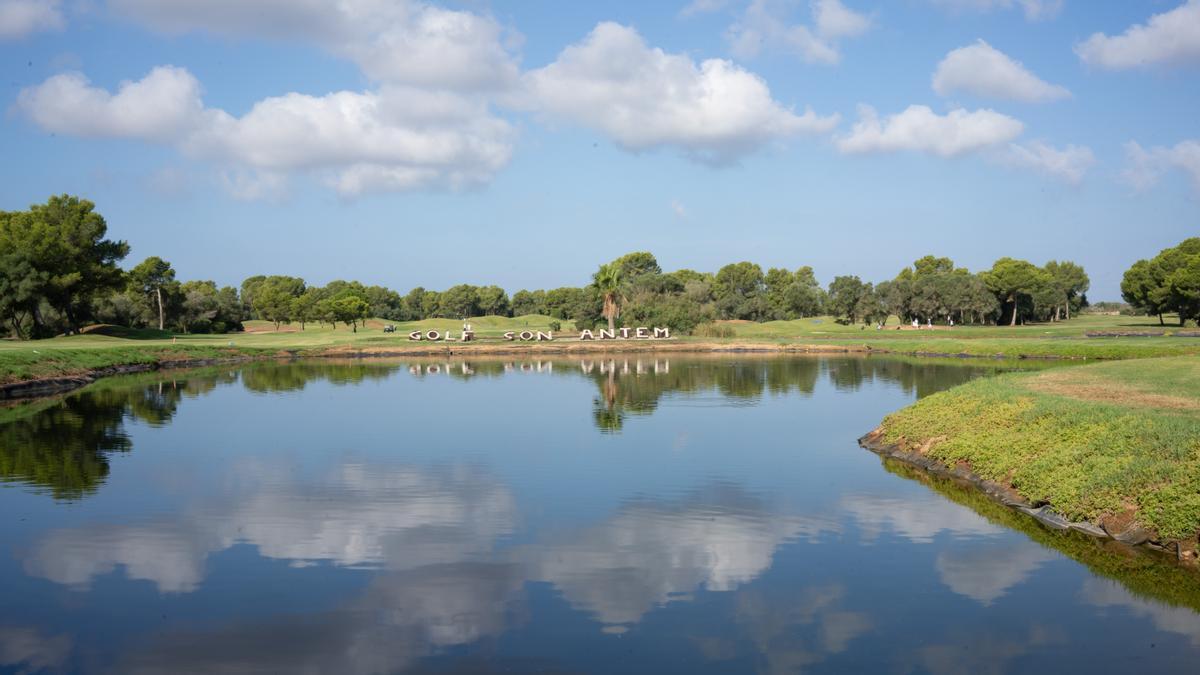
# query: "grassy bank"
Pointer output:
{"type": "Point", "coordinates": [1112, 443]}
{"type": "Point", "coordinates": [80, 354]}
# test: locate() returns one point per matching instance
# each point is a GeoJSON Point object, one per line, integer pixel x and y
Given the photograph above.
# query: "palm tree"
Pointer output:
{"type": "Point", "coordinates": [608, 281]}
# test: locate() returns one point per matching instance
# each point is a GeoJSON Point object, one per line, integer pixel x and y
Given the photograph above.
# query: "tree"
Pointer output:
{"type": "Point", "coordinates": [528, 302]}
{"type": "Point", "coordinates": [738, 289]}
{"type": "Point", "coordinates": [608, 281]}
{"type": "Point", "coordinates": [845, 294]}
{"type": "Point", "coordinates": [637, 264]}
{"type": "Point", "coordinates": [459, 302]}
{"type": "Point", "coordinates": [304, 306]}
{"type": "Point", "coordinates": [273, 298]}
{"type": "Point", "coordinates": [493, 301]}
{"type": "Point", "coordinates": [59, 254]}
{"type": "Point", "coordinates": [870, 306]}
{"type": "Point", "coordinates": [385, 303]}
{"type": "Point", "coordinates": [350, 309]}
{"type": "Point", "coordinates": [149, 278]}
{"type": "Point", "coordinates": [414, 309]}
{"type": "Point", "coordinates": [1069, 283]}
{"type": "Point", "coordinates": [1147, 284]}
{"type": "Point", "coordinates": [929, 266]}
{"type": "Point", "coordinates": [1184, 287]}
{"type": "Point", "coordinates": [1013, 282]}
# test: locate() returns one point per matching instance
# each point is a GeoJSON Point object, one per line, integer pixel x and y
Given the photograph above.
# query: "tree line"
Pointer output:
{"type": "Point", "coordinates": [59, 272]}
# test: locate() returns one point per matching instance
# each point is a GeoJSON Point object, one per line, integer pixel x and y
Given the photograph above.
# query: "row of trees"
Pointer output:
{"type": "Point", "coordinates": [1167, 283]}
{"type": "Point", "coordinates": [933, 290]}
{"type": "Point", "coordinates": [58, 272]}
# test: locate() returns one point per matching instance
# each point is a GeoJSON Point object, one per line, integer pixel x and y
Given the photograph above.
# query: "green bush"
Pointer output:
{"type": "Point", "coordinates": [714, 330]}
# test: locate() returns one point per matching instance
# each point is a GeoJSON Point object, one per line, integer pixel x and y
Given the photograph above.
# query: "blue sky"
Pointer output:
{"type": "Point", "coordinates": [523, 143]}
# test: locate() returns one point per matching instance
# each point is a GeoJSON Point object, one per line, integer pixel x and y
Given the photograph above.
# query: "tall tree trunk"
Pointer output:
{"type": "Point", "coordinates": [1068, 310]}
{"type": "Point", "coordinates": [158, 292]}
{"type": "Point", "coordinates": [1160, 320]}
{"type": "Point", "coordinates": [1013, 321]}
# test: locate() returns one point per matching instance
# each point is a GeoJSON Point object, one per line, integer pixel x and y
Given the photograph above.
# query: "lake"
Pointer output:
{"type": "Point", "coordinates": [596, 515]}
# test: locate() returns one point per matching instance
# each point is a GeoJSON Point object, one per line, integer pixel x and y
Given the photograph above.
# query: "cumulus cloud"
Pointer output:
{"type": "Point", "coordinates": [645, 98]}
{"type": "Point", "coordinates": [1035, 10]}
{"type": "Point", "coordinates": [20, 18]}
{"type": "Point", "coordinates": [162, 106]}
{"type": "Point", "coordinates": [1170, 37]}
{"type": "Point", "coordinates": [919, 519]}
{"type": "Point", "coordinates": [656, 551]}
{"type": "Point", "coordinates": [404, 42]}
{"type": "Point", "coordinates": [986, 573]}
{"type": "Point", "coordinates": [1146, 166]}
{"type": "Point", "coordinates": [765, 25]}
{"type": "Point", "coordinates": [392, 517]}
{"type": "Point", "coordinates": [920, 129]}
{"type": "Point", "coordinates": [397, 620]}
{"type": "Point", "coordinates": [1068, 164]}
{"type": "Point", "coordinates": [982, 70]}
{"type": "Point", "coordinates": [394, 138]}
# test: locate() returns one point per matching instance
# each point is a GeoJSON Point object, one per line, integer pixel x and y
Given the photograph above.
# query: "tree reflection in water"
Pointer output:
{"type": "Point", "coordinates": [63, 445]}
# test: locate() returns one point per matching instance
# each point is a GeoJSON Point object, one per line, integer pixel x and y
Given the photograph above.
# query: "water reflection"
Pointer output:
{"type": "Point", "coordinates": [63, 445]}
{"type": "Point", "coordinates": [399, 618]}
{"type": "Point", "coordinates": [394, 517]}
{"type": "Point", "coordinates": [29, 650]}
{"type": "Point", "coordinates": [652, 551]}
{"type": "Point", "coordinates": [380, 529]}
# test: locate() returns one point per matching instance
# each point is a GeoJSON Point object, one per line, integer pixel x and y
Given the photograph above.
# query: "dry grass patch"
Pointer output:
{"type": "Point", "coordinates": [1086, 386]}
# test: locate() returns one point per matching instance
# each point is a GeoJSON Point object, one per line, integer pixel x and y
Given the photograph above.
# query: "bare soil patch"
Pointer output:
{"type": "Point", "coordinates": [1102, 390]}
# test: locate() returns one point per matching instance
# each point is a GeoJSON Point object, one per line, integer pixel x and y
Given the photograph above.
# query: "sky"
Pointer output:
{"type": "Point", "coordinates": [523, 143]}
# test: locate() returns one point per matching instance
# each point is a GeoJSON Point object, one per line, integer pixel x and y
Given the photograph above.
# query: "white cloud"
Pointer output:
{"type": "Point", "coordinates": [1170, 37]}
{"type": "Point", "coordinates": [919, 128]}
{"type": "Point", "coordinates": [678, 209]}
{"type": "Point", "coordinates": [1035, 10]}
{"type": "Point", "coordinates": [160, 107]}
{"type": "Point", "coordinates": [396, 138]}
{"type": "Point", "coordinates": [655, 552]}
{"type": "Point", "coordinates": [703, 7]}
{"type": "Point", "coordinates": [1068, 164]}
{"type": "Point", "coordinates": [394, 517]}
{"type": "Point", "coordinates": [645, 98]}
{"type": "Point", "coordinates": [20, 18]}
{"type": "Point", "coordinates": [764, 25]}
{"type": "Point", "coordinates": [983, 70]}
{"type": "Point", "coordinates": [1146, 167]}
{"type": "Point", "coordinates": [986, 573]}
{"type": "Point", "coordinates": [401, 41]}
{"type": "Point", "coordinates": [835, 20]}
{"type": "Point", "coordinates": [919, 520]}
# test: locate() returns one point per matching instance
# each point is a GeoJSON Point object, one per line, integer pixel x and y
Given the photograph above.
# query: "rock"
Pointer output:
{"type": "Point", "coordinates": [1047, 517]}
{"type": "Point", "coordinates": [1133, 536]}
{"type": "Point", "coordinates": [1090, 528]}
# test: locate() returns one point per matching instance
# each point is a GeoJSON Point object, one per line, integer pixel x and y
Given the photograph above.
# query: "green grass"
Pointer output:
{"type": "Point", "coordinates": [111, 345]}
{"type": "Point", "coordinates": [1095, 441]}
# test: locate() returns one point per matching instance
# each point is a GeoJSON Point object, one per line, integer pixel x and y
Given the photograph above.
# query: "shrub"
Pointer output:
{"type": "Point", "coordinates": [714, 330]}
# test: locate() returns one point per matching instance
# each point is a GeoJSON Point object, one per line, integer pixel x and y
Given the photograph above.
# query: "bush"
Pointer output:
{"type": "Point", "coordinates": [555, 326]}
{"type": "Point", "coordinates": [714, 330]}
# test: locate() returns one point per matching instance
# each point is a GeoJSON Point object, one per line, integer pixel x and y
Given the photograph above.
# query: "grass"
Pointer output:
{"type": "Point", "coordinates": [1105, 441]}
{"type": "Point", "coordinates": [107, 346]}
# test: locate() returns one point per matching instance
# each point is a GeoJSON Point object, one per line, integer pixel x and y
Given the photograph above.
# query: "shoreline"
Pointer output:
{"type": "Point", "coordinates": [1132, 536]}
{"type": "Point", "coordinates": [28, 388]}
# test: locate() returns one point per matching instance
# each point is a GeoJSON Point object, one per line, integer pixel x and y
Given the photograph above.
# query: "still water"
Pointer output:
{"type": "Point", "coordinates": [595, 516]}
